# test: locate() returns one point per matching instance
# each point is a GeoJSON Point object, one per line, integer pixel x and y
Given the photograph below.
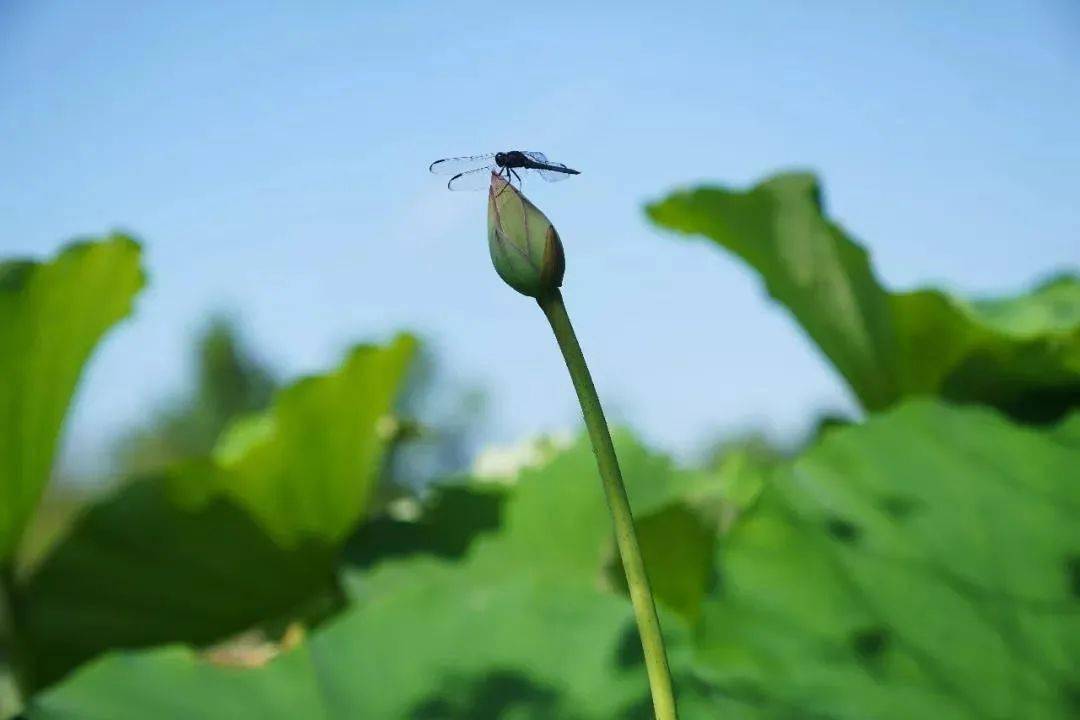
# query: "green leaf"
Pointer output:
{"type": "Point", "coordinates": [144, 567]}
{"type": "Point", "coordinates": [445, 525]}
{"type": "Point", "coordinates": [809, 264]}
{"type": "Point", "coordinates": [1019, 354]}
{"type": "Point", "coordinates": [519, 626]}
{"type": "Point", "coordinates": [52, 315]}
{"type": "Point", "coordinates": [426, 644]}
{"type": "Point", "coordinates": [218, 546]}
{"type": "Point", "coordinates": [1068, 430]}
{"type": "Point", "coordinates": [307, 467]}
{"type": "Point", "coordinates": [677, 545]}
{"type": "Point", "coordinates": [557, 520]}
{"type": "Point", "coordinates": [922, 565]}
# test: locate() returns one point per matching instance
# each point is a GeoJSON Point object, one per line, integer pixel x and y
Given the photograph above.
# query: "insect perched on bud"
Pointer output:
{"type": "Point", "coordinates": [528, 255]}
{"type": "Point", "coordinates": [525, 248]}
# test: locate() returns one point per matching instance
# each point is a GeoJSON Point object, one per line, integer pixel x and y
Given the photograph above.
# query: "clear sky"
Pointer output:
{"type": "Point", "coordinates": [273, 158]}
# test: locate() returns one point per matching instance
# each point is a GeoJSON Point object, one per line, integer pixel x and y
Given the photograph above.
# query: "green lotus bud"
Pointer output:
{"type": "Point", "coordinates": [525, 248]}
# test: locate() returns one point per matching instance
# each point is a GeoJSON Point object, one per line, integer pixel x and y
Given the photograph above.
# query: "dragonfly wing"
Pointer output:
{"type": "Point", "coordinates": [455, 165]}
{"type": "Point", "coordinates": [477, 179]}
{"type": "Point", "coordinates": [549, 175]}
{"type": "Point", "coordinates": [554, 175]}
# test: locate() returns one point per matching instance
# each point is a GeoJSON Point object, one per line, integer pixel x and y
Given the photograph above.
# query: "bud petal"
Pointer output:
{"type": "Point", "coordinates": [525, 248]}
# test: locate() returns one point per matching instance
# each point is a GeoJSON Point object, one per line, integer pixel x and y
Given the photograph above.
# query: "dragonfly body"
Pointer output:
{"type": "Point", "coordinates": [518, 159]}
{"type": "Point", "coordinates": [473, 172]}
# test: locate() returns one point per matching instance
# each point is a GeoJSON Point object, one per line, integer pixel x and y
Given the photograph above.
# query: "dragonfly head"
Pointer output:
{"type": "Point", "coordinates": [500, 159]}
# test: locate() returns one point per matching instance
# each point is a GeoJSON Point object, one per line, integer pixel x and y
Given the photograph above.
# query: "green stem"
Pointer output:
{"type": "Point", "coordinates": [652, 640]}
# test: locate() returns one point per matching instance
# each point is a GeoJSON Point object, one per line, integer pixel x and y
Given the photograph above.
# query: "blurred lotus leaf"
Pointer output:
{"type": "Point", "coordinates": [921, 565]}
{"type": "Point", "coordinates": [1019, 354]}
{"type": "Point", "coordinates": [518, 624]}
{"type": "Point", "coordinates": [306, 468]}
{"type": "Point", "coordinates": [212, 547]}
{"type": "Point", "coordinates": [52, 315]}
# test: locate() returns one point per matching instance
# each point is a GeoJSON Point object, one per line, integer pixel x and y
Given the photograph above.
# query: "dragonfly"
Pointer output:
{"type": "Point", "coordinates": [473, 172]}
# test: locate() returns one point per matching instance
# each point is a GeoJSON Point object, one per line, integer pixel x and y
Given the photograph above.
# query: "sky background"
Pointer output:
{"type": "Point", "coordinates": [273, 160]}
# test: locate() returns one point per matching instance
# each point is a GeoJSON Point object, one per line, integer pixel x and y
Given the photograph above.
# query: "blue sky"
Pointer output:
{"type": "Point", "coordinates": [272, 157]}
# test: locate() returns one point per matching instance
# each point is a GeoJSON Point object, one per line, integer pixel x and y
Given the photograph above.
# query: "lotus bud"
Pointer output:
{"type": "Point", "coordinates": [525, 248]}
